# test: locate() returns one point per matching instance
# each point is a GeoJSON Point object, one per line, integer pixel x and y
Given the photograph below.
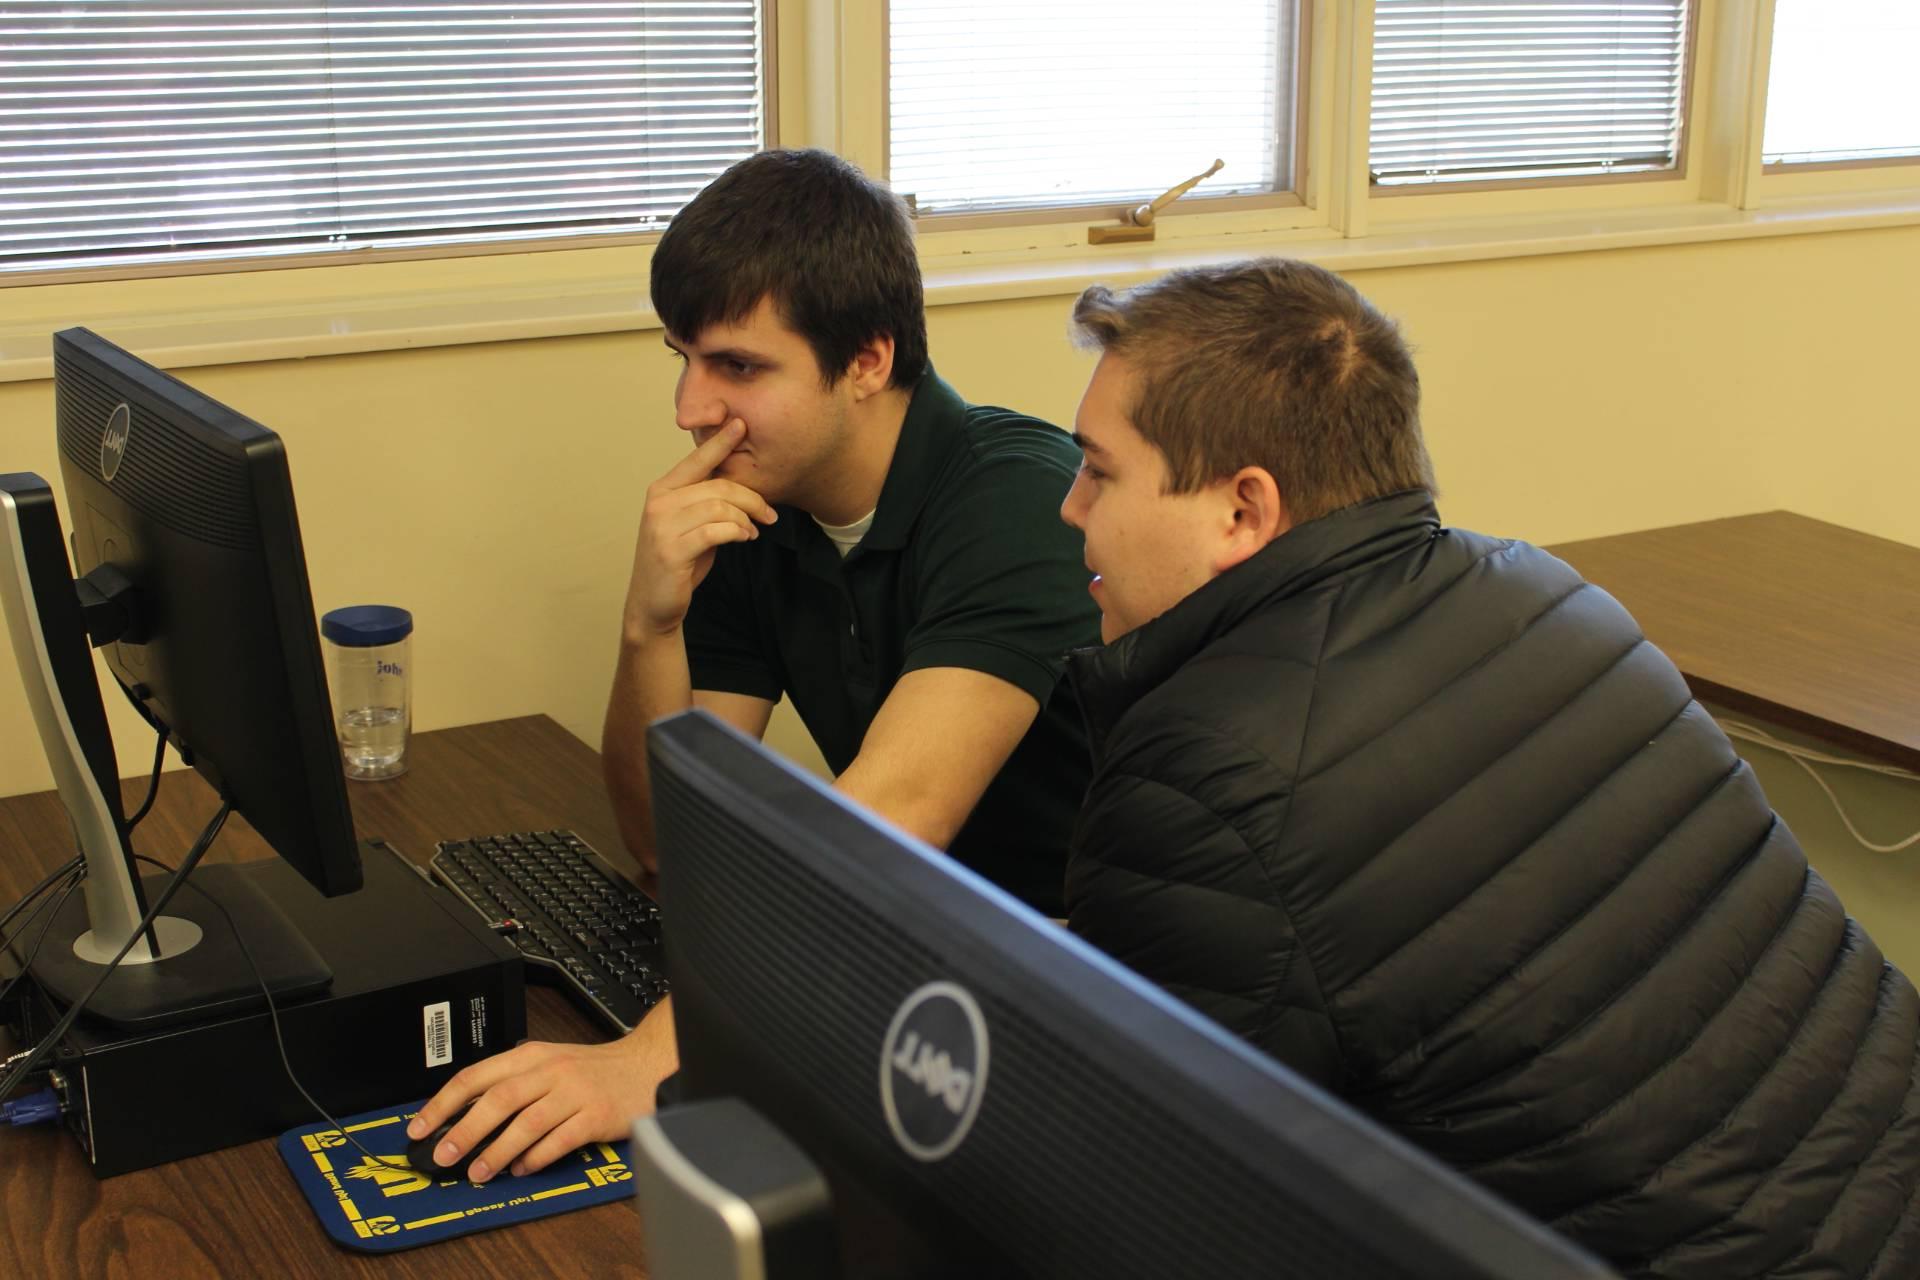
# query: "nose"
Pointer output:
{"type": "Point", "coordinates": [1074, 509]}
{"type": "Point", "coordinates": [697, 403]}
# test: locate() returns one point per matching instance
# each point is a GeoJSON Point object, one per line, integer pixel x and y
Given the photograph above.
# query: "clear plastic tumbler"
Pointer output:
{"type": "Point", "coordinates": [368, 666]}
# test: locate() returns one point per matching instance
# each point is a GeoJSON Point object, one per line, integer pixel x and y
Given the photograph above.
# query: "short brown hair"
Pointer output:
{"type": "Point", "coordinates": [1272, 363]}
{"type": "Point", "coordinates": [831, 248]}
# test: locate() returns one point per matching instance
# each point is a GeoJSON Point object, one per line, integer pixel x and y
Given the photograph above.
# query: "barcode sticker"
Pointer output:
{"type": "Point", "coordinates": [439, 1028]}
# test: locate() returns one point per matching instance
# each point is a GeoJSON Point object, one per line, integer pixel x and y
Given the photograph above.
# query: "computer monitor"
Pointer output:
{"type": "Point", "coordinates": [193, 580]}
{"type": "Point", "coordinates": [987, 1094]}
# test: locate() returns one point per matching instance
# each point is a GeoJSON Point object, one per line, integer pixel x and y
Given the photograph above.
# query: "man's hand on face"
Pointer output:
{"type": "Point", "coordinates": [562, 1097]}
{"type": "Point", "coordinates": [689, 513]}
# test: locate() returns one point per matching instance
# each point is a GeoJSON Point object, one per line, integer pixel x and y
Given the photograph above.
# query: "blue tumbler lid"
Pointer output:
{"type": "Point", "coordinates": [362, 626]}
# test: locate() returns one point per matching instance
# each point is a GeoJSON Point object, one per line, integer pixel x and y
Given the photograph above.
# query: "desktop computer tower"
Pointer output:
{"type": "Point", "coordinates": [420, 989]}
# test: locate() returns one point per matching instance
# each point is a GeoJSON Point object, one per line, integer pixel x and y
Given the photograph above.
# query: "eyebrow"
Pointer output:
{"type": "Point", "coordinates": [742, 354]}
{"type": "Point", "coordinates": [1086, 445]}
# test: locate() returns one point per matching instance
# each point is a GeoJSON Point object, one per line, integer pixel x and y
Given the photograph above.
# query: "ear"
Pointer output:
{"type": "Point", "coordinates": [872, 367]}
{"type": "Point", "coordinates": [1255, 512]}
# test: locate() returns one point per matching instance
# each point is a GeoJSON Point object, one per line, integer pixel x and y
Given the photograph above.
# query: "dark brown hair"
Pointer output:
{"type": "Point", "coordinates": [831, 248]}
{"type": "Point", "coordinates": [1272, 363]}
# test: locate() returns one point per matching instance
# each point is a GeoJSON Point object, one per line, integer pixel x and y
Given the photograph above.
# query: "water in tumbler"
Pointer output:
{"type": "Point", "coordinates": [374, 740]}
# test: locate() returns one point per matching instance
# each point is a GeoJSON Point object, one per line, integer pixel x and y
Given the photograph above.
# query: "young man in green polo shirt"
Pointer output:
{"type": "Point", "coordinates": [848, 532]}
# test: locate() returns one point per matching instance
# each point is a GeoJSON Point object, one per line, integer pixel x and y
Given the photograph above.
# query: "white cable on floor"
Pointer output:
{"type": "Point", "coordinates": [1806, 758]}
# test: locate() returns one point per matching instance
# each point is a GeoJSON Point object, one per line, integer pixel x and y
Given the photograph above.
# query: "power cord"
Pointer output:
{"type": "Point", "coordinates": [273, 1012]}
{"type": "Point", "coordinates": [12, 1080]}
{"type": "Point", "coordinates": [26, 962]}
{"type": "Point", "coordinates": [1806, 758]}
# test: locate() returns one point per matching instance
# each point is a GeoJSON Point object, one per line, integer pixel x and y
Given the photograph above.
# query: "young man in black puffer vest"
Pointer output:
{"type": "Point", "coordinates": [1421, 814]}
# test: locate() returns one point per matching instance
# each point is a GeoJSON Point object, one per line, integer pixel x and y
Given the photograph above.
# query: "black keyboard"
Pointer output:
{"type": "Point", "coordinates": [580, 924]}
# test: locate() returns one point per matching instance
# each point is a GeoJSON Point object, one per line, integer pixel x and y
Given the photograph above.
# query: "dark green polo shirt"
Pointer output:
{"type": "Point", "coordinates": [967, 564]}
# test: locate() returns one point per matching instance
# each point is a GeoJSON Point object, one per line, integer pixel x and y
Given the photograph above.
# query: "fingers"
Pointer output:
{"type": "Point", "coordinates": [669, 505]}
{"type": "Point", "coordinates": [464, 1086]}
{"type": "Point", "coordinates": [508, 1099]}
{"type": "Point", "coordinates": [738, 495]}
{"type": "Point", "coordinates": [711, 511]}
{"type": "Point", "coordinates": [699, 464]}
{"type": "Point", "coordinates": [534, 1122]}
{"type": "Point", "coordinates": [576, 1132]}
{"type": "Point", "coordinates": [708, 536]}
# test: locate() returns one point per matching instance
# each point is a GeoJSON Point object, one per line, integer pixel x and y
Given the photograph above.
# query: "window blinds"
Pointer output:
{"type": "Point", "coordinates": [153, 130]}
{"type": "Point", "coordinates": [1841, 85]}
{"type": "Point", "coordinates": [1483, 89]}
{"type": "Point", "coordinates": [1017, 104]}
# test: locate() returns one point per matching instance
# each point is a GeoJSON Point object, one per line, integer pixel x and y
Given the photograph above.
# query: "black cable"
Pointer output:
{"type": "Point", "coordinates": [13, 1078]}
{"type": "Point", "coordinates": [153, 783]}
{"type": "Point", "coordinates": [69, 865]}
{"type": "Point", "coordinates": [274, 1013]}
{"type": "Point", "coordinates": [66, 892]}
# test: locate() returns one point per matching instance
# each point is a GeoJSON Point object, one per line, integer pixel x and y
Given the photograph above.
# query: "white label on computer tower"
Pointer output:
{"type": "Point", "coordinates": [438, 1019]}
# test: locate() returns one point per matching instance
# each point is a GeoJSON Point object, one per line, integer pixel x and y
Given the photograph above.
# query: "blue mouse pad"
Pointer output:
{"type": "Point", "coordinates": [369, 1206]}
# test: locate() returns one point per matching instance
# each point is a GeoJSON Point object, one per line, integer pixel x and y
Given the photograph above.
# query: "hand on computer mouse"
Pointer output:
{"type": "Point", "coordinates": [420, 1151]}
{"type": "Point", "coordinates": [552, 1099]}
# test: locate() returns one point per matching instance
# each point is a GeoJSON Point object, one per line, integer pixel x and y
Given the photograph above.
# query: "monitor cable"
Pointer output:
{"type": "Point", "coordinates": [14, 1077]}
{"type": "Point", "coordinates": [153, 783]}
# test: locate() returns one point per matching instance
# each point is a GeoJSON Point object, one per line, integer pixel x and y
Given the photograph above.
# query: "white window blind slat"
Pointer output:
{"type": "Point", "coordinates": [1019, 104]}
{"type": "Point", "coordinates": [1467, 90]}
{"type": "Point", "coordinates": [136, 131]}
{"type": "Point", "coordinates": [1841, 83]}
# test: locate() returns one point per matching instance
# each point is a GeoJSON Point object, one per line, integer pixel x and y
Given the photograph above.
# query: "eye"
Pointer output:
{"type": "Point", "coordinates": [739, 368]}
{"type": "Point", "coordinates": [1092, 472]}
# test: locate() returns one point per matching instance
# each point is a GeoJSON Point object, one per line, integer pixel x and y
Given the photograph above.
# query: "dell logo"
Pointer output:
{"type": "Point", "coordinates": [113, 445]}
{"type": "Point", "coordinates": [933, 1070]}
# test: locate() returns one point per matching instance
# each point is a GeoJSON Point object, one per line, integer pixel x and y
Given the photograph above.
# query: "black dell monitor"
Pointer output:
{"type": "Point", "coordinates": [987, 1095]}
{"type": "Point", "coordinates": [188, 573]}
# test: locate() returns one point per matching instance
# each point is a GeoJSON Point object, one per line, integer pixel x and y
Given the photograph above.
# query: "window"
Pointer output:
{"type": "Point", "coordinates": [1021, 104]}
{"type": "Point", "coordinates": [1476, 90]}
{"type": "Point", "coordinates": [139, 131]}
{"type": "Point", "coordinates": [1841, 84]}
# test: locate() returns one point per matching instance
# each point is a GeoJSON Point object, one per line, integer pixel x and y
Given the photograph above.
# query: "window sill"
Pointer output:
{"type": "Point", "coordinates": [980, 278]}
{"type": "Point", "coordinates": [277, 323]}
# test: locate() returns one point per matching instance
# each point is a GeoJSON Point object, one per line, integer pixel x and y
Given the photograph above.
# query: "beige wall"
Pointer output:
{"type": "Point", "coordinates": [494, 489]}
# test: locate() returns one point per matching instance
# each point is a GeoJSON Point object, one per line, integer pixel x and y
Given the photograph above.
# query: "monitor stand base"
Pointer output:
{"type": "Point", "coordinates": [211, 979]}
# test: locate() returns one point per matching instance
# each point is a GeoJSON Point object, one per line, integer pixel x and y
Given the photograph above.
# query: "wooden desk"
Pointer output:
{"type": "Point", "coordinates": [1791, 619]}
{"type": "Point", "coordinates": [237, 1212]}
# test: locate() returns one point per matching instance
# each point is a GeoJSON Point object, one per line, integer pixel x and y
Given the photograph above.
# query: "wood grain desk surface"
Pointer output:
{"type": "Point", "coordinates": [237, 1212]}
{"type": "Point", "coordinates": [1802, 622]}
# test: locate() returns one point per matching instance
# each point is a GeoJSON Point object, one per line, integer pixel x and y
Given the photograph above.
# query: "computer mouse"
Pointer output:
{"type": "Point", "coordinates": [420, 1151]}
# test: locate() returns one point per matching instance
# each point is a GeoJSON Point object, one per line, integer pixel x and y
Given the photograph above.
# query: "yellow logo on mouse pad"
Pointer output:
{"type": "Point", "coordinates": [391, 1181]}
